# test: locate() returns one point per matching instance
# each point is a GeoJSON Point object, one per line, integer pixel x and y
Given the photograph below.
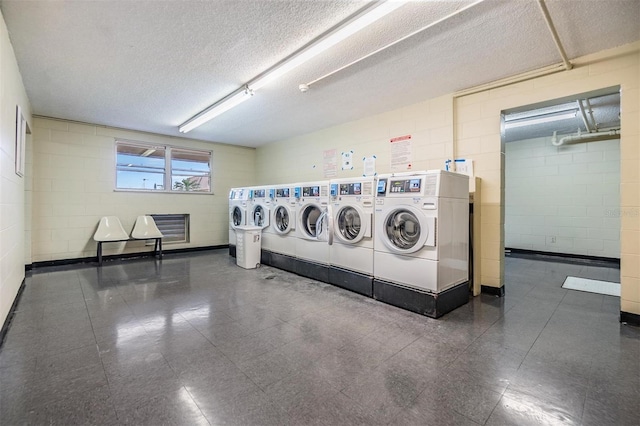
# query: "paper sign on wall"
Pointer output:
{"type": "Point", "coordinates": [369, 166]}
{"type": "Point", "coordinates": [330, 163]}
{"type": "Point", "coordinates": [347, 160]}
{"type": "Point", "coordinates": [401, 155]}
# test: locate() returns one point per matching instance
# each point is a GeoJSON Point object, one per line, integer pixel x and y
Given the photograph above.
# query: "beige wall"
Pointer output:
{"type": "Point", "coordinates": [475, 120]}
{"type": "Point", "coordinates": [12, 186]}
{"type": "Point", "coordinates": [74, 181]}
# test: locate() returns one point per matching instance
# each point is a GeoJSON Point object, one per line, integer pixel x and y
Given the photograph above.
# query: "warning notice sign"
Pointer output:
{"type": "Point", "coordinates": [401, 156]}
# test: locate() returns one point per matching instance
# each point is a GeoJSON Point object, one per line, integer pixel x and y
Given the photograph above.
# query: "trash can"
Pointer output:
{"type": "Point", "coordinates": [248, 246]}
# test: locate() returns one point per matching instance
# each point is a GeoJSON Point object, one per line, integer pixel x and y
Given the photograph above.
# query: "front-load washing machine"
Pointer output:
{"type": "Point", "coordinates": [421, 244]}
{"type": "Point", "coordinates": [238, 214]}
{"type": "Point", "coordinates": [351, 254]}
{"type": "Point", "coordinates": [259, 207]}
{"type": "Point", "coordinates": [278, 237]}
{"type": "Point", "coordinates": [313, 234]}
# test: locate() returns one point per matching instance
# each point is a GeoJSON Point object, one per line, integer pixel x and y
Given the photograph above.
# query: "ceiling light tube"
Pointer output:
{"type": "Point", "coordinates": [215, 110]}
{"type": "Point", "coordinates": [345, 31]}
{"type": "Point", "coordinates": [325, 42]}
{"type": "Point", "coordinates": [539, 119]}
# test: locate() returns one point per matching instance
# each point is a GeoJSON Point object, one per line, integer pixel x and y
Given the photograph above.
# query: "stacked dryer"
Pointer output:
{"type": "Point", "coordinates": [313, 234]}
{"type": "Point", "coordinates": [421, 247]}
{"type": "Point", "coordinates": [238, 214]}
{"type": "Point", "coordinates": [351, 254]}
{"type": "Point", "coordinates": [278, 237]}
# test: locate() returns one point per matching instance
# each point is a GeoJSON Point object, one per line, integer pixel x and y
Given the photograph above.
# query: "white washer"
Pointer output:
{"type": "Point", "coordinates": [238, 214]}
{"type": "Point", "coordinates": [278, 235]}
{"type": "Point", "coordinates": [259, 207]}
{"type": "Point", "coordinates": [422, 230]}
{"type": "Point", "coordinates": [312, 231]}
{"type": "Point", "coordinates": [351, 254]}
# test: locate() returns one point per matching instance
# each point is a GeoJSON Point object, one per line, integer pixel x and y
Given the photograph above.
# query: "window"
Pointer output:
{"type": "Point", "coordinates": [174, 227]}
{"type": "Point", "coordinates": [143, 167]}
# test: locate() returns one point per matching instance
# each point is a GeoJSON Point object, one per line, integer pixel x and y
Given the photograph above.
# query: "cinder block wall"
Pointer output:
{"type": "Point", "coordinates": [74, 186]}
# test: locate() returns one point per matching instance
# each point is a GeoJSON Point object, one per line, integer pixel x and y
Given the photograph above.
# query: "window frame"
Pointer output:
{"type": "Point", "coordinates": [167, 177]}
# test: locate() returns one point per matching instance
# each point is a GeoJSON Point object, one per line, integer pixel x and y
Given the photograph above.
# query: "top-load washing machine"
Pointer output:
{"type": "Point", "coordinates": [351, 254]}
{"type": "Point", "coordinates": [238, 214]}
{"type": "Point", "coordinates": [278, 237]}
{"type": "Point", "coordinates": [313, 234]}
{"type": "Point", "coordinates": [421, 244]}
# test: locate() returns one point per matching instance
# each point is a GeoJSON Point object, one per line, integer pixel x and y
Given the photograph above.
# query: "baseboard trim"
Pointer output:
{"type": "Point", "coordinates": [629, 318]}
{"type": "Point", "coordinates": [122, 256]}
{"type": "Point", "coordinates": [579, 259]}
{"type": "Point", "coordinates": [12, 312]}
{"type": "Point", "coordinates": [492, 291]}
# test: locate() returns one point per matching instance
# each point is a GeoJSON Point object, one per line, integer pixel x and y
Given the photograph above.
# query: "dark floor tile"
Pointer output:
{"type": "Point", "coordinates": [93, 407]}
{"type": "Point", "coordinates": [463, 395]}
{"type": "Point", "coordinates": [194, 339]}
{"type": "Point", "coordinates": [610, 409]}
{"type": "Point", "coordinates": [519, 409]}
{"type": "Point", "coordinates": [273, 366]}
{"type": "Point", "coordinates": [245, 348]}
{"type": "Point", "coordinates": [172, 408]}
{"type": "Point", "coordinates": [333, 410]}
{"type": "Point", "coordinates": [66, 385]}
{"type": "Point", "coordinates": [564, 390]}
{"type": "Point", "coordinates": [431, 416]}
{"type": "Point", "coordinates": [254, 408]}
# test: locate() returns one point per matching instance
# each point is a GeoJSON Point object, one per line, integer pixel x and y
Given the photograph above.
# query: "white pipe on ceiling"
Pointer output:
{"type": "Point", "coordinates": [305, 87]}
{"type": "Point", "coordinates": [554, 34]}
{"type": "Point", "coordinates": [586, 137]}
{"type": "Point", "coordinates": [584, 116]}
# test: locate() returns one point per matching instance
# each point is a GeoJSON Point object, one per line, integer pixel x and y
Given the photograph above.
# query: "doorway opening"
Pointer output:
{"type": "Point", "coordinates": [562, 184]}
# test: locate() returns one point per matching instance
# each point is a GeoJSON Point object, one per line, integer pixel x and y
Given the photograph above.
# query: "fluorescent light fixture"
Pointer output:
{"type": "Point", "coordinates": [342, 32]}
{"type": "Point", "coordinates": [215, 110]}
{"type": "Point", "coordinates": [539, 119]}
{"type": "Point", "coordinates": [345, 31]}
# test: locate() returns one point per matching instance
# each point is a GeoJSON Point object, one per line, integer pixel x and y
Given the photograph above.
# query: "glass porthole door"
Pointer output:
{"type": "Point", "coordinates": [282, 220]}
{"type": "Point", "coordinates": [403, 232]}
{"type": "Point", "coordinates": [349, 225]}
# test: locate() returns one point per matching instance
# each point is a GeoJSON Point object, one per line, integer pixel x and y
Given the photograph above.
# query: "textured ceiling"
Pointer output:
{"type": "Point", "coordinates": [151, 65]}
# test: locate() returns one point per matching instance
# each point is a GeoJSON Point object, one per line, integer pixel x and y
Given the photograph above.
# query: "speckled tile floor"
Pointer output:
{"type": "Point", "coordinates": [194, 339]}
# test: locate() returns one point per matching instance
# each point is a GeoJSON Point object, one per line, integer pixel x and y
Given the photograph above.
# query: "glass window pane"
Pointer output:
{"type": "Point", "coordinates": [190, 170]}
{"type": "Point", "coordinates": [140, 167]}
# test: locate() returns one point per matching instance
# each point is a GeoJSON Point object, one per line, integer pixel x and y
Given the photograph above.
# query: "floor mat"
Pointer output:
{"type": "Point", "coordinates": [592, 286]}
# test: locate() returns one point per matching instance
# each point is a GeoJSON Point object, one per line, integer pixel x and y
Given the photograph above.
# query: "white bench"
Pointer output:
{"type": "Point", "coordinates": [110, 230]}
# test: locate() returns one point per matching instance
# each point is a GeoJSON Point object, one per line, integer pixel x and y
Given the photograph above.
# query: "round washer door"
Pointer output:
{"type": "Point", "coordinates": [260, 216]}
{"type": "Point", "coordinates": [349, 224]}
{"type": "Point", "coordinates": [236, 217]}
{"type": "Point", "coordinates": [310, 216]}
{"type": "Point", "coordinates": [402, 231]}
{"type": "Point", "coordinates": [282, 219]}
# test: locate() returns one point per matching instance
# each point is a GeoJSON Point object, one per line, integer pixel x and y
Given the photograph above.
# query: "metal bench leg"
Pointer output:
{"type": "Point", "coordinates": [99, 253]}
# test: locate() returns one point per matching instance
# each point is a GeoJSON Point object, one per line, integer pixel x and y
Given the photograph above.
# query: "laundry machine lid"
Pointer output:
{"type": "Point", "coordinates": [407, 230]}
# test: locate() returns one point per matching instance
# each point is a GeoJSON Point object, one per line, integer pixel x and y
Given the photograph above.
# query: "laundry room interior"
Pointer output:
{"type": "Point", "coordinates": [516, 179]}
